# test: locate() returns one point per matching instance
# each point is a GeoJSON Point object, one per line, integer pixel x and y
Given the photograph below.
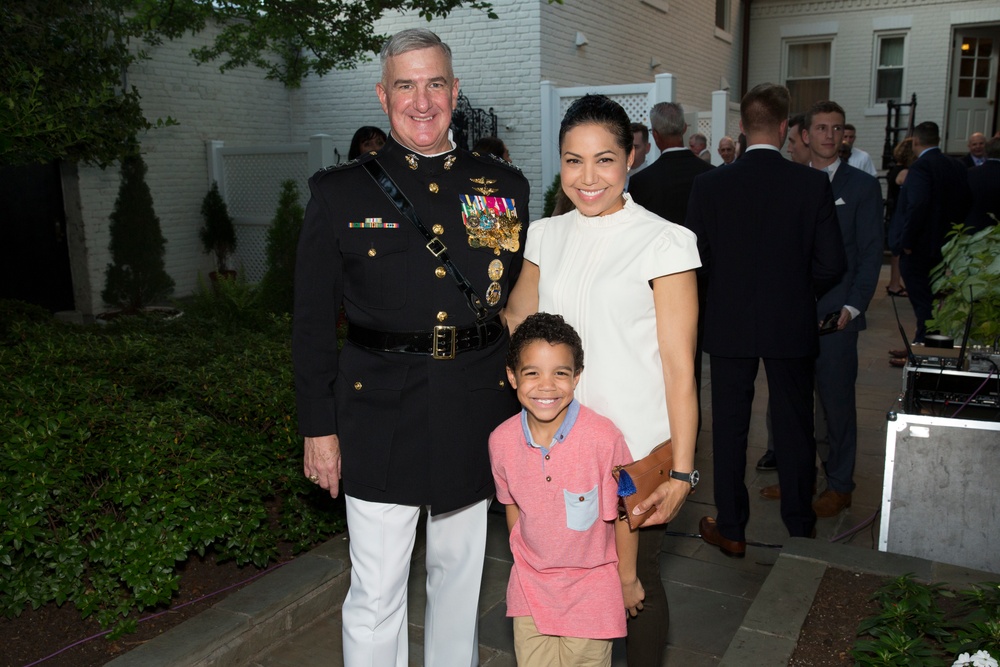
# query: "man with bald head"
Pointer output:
{"type": "Point", "coordinates": [727, 150]}
{"type": "Point", "coordinates": [977, 150]}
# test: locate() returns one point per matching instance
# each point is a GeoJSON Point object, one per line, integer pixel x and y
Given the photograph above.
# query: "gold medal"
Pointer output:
{"type": "Point", "coordinates": [495, 270]}
{"type": "Point", "coordinates": [493, 293]}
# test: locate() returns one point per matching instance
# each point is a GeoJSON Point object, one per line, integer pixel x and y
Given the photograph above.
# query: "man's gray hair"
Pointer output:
{"type": "Point", "coordinates": [667, 118]}
{"type": "Point", "coordinates": [413, 39]}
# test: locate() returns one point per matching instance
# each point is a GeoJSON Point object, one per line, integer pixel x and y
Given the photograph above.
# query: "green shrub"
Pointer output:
{"type": "Point", "coordinates": [129, 447]}
{"type": "Point", "coordinates": [136, 277]}
{"type": "Point", "coordinates": [282, 242]}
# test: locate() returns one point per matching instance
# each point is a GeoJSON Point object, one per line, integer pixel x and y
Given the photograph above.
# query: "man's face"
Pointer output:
{"type": "Point", "coordinates": [824, 137]}
{"type": "Point", "coordinates": [641, 149]}
{"type": "Point", "coordinates": [727, 150]}
{"type": "Point", "coordinates": [418, 94]}
{"type": "Point", "coordinates": [977, 145]}
{"type": "Point", "coordinates": [696, 146]}
{"type": "Point", "coordinates": [849, 137]}
{"type": "Point", "coordinates": [797, 149]}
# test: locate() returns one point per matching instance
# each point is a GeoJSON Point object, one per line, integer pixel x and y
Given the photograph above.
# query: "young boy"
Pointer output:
{"type": "Point", "coordinates": [574, 561]}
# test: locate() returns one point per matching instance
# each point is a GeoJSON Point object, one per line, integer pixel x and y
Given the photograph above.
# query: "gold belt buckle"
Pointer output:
{"type": "Point", "coordinates": [444, 337]}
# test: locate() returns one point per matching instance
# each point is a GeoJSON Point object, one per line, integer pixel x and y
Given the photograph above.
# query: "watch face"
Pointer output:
{"type": "Point", "coordinates": [695, 476]}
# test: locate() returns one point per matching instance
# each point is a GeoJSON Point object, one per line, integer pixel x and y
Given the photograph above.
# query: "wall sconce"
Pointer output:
{"type": "Point", "coordinates": [581, 39]}
{"type": "Point", "coordinates": [654, 63]}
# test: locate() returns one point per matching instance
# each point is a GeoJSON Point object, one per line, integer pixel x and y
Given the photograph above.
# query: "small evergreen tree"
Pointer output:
{"type": "Point", "coordinates": [218, 234]}
{"type": "Point", "coordinates": [136, 276]}
{"type": "Point", "coordinates": [551, 196]}
{"type": "Point", "coordinates": [276, 289]}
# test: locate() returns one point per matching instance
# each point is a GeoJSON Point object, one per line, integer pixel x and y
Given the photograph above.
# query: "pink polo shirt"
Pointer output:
{"type": "Point", "coordinates": [565, 573]}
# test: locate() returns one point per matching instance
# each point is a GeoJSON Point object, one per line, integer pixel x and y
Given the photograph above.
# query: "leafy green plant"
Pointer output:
{"type": "Point", "coordinates": [969, 271]}
{"type": "Point", "coordinates": [136, 277]}
{"type": "Point", "coordinates": [130, 447]}
{"type": "Point", "coordinates": [218, 234]}
{"type": "Point", "coordinates": [282, 241]}
{"type": "Point", "coordinates": [915, 626]}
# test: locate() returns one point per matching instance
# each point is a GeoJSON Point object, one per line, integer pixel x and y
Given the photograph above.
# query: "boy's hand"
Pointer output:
{"type": "Point", "coordinates": [634, 594]}
{"type": "Point", "coordinates": [667, 499]}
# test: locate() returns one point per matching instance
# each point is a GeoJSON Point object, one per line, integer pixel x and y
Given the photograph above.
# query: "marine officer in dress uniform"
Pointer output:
{"type": "Point", "coordinates": [401, 416]}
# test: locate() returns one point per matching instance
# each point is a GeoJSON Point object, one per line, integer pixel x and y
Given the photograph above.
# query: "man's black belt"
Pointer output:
{"type": "Point", "coordinates": [444, 342]}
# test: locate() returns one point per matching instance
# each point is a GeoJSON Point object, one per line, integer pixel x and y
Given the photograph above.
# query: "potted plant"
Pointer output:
{"type": "Point", "coordinates": [969, 277]}
{"type": "Point", "coordinates": [218, 234]}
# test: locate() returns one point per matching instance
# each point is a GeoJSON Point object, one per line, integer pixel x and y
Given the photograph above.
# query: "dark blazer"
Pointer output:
{"type": "Point", "coordinates": [665, 186]}
{"type": "Point", "coordinates": [967, 161]}
{"type": "Point", "coordinates": [770, 244]}
{"type": "Point", "coordinates": [934, 196]}
{"type": "Point", "coordinates": [984, 184]}
{"type": "Point", "coordinates": [413, 429]}
{"type": "Point", "coordinates": [858, 201]}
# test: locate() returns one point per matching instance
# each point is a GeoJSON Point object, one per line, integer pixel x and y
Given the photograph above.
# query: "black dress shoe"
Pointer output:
{"type": "Point", "coordinates": [768, 462]}
{"type": "Point", "coordinates": [710, 533]}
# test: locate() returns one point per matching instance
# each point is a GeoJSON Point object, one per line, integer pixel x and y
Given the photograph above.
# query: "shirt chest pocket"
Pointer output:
{"type": "Point", "coordinates": [376, 269]}
{"type": "Point", "coordinates": [581, 509]}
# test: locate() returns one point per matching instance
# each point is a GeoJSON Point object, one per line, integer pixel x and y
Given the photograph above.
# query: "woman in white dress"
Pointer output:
{"type": "Point", "coordinates": [625, 279]}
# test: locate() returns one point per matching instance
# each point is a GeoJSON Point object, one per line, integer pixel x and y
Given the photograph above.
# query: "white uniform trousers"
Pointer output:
{"type": "Point", "coordinates": [374, 613]}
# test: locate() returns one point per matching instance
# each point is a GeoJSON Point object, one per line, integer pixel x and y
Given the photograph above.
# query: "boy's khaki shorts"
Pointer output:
{"type": "Point", "coordinates": [534, 649]}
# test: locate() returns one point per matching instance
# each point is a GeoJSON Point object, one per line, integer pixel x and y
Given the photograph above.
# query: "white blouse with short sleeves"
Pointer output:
{"type": "Point", "coordinates": [596, 273]}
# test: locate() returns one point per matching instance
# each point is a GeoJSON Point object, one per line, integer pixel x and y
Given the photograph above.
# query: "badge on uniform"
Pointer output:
{"type": "Point", "coordinates": [491, 222]}
{"type": "Point", "coordinates": [373, 223]}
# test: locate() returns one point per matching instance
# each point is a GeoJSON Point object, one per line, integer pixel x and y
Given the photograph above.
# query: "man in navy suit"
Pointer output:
{"type": "Point", "coordinates": [858, 200]}
{"type": "Point", "coordinates": [770, 245]}
{"type": "Point", "coordinates": [984, 183]}
{"type": "Point", "coordinates": [934, 197]}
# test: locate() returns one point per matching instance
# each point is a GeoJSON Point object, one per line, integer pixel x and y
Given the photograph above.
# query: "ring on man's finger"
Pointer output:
{"type": "Point", "coordinates": [314, 479]}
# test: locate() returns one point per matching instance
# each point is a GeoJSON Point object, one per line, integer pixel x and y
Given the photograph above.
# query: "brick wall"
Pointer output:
{"type": "Point", "coordinates": [239, 107]}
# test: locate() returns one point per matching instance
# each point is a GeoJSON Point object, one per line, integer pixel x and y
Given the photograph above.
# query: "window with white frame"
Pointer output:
{"type": "Point", "coordinates": [890, 67]}
{"type": "Point", "coordinates": [722, 15]}
{"type": "Point", "coordinates": [807, 72]}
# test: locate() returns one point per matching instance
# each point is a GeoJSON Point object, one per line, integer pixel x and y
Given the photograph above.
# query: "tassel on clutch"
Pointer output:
{"type": "Point", "coordinates": [639, 479]}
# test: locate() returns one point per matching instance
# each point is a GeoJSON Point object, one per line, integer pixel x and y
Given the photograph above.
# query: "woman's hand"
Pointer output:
{"type": "Point", "coordinates": [667, 499]}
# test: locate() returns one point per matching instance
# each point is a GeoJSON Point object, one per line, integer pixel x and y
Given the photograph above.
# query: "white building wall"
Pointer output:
{"type": "Point", "coordinates": [624, 37]}
{"type": "Point", "coordinates": [854, 25]}
{"type": "Point", "coordinates": [238, 107]}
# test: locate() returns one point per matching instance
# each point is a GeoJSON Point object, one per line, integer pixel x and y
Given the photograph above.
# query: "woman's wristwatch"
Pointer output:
{"type": "Point", "coordinates": [689, 477]}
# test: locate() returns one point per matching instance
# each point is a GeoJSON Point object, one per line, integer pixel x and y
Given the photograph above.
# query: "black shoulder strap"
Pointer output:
{"type": "Point", "coordinates": [434, 243]}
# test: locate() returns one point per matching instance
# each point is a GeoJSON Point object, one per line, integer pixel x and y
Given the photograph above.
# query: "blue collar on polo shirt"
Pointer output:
{"type": "Point", "coordinates": [572, 412]}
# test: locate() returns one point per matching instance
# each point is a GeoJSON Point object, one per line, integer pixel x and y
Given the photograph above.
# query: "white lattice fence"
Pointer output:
{"type": "Point", "coordinates": [250, 180]}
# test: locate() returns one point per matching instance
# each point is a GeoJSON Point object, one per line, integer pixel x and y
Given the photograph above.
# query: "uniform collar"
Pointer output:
{"type": "Point", "coordinates": [397, 153]}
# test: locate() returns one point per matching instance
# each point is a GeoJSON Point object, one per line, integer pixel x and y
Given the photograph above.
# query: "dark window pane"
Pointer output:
{"type": "Point", "coordinates": [967, 66]}
{"type": "Point", "coordinates": [889, 85]}
{"type": "Point", "coordinates": [965, 88]}
{"type": "Point", "coordinates": [807, 92]}
{"type": "Point", "coordinates": [981, 88]}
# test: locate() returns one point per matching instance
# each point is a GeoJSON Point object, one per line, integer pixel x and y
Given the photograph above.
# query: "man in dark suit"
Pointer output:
{"type": "Point", "coordinates": [934, 197]}
{"type": "Point", "coordinates": [403, 413]}
{"type": "Point", "coordinates": [977, 151]}
{"type": "Point", "coordinates": [665, 186]}
{"type": "Point", "coordinates": [770, 245]}
{"type": "Point", "coordinates": [858, 200]}
{"type": "Point", "coordinates": [984, 184]}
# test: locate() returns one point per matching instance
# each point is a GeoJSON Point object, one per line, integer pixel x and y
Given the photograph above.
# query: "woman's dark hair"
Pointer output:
{"type": "Point", "coordinates": [553, 329]}
{"type": "Point", "coordinates": [490, 145]}
{"type": "Point", "coordinates": [602, 111]}
{"type": "Point", "coordinates": [365, 133]}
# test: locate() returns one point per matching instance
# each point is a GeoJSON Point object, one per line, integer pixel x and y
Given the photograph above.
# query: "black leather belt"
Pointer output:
{"type": "Point", "coordinates": [444, 342]}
